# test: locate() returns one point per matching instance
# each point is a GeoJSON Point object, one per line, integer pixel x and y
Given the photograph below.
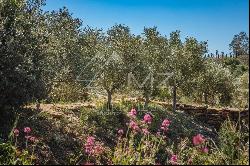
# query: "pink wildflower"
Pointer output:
{"type": "Point", "coordinates": [16, 132]}
{"type": "Point", "coordinates": [165, 129]}
{"type": "Point", "coordinates": [198, 139]}
{"type": "Point", "coordinates": [147, 119]}
{"type": "Point", "coordinates": [27, 130]}
{"type": "Point", "coordinates": [120, 132]}
{"type": "Point", "coordinates": [89, 146]}
{"type": "Point", "coordinates": [33, 139]}
{"type": "Point", "coordinates": [205, 150]}
{"type": "Point", "coordinates": [165, 124]}
{"type": "Point", "coordinates": [173, 159]}
{"type": "Point", "coordinates": [134, 126]}
{"type": "Point", "coordinates": [90, 140]}
{"type": "Point", "coordinates": [132, 113]}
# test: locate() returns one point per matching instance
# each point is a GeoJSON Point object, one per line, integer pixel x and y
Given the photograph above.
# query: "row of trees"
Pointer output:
{"type": "Point", "coordinates": [239, 46]}
{"type": "Point", "coordinates": [219, 55]}
{"type": "Point", "coordinates": [40, 51]}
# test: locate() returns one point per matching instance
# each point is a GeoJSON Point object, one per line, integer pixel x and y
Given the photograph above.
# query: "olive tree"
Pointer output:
{"type": "Point", "coordinates": [63, 52]}
{"type": "Point", "coordinates": [110, 61]}
{"type": "Point", "coordinates": [154, 55]}
{"type": "Point", "coordinates": [215, 81]}
{"type": "Point", "coordinates": [185, 63]}
{"type": "Point", "coordinates": [241, 92]}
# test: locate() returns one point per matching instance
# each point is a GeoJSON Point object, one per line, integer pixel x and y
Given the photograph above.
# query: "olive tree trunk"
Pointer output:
{"type": "Point", "coordinates": [146, 102]}
{"type": "Point", "coordinates": [206, 98]}
{"type": "Point", "coordinates": [109, 105]}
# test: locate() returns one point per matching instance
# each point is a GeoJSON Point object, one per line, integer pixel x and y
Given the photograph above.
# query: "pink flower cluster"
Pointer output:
{"type": "Point", "coordinates": [132, 113]}
{"type": "Point", "coordinates": [16, 132]}
{"type": "Point", "coordinates": [93, 148]}
{"type": "Point", "coordinates": [147, 119]}
{"type": "Point", "coordinates": [198, 139]}
{"type": "Point", "coordinates": [134, 126]}
{"type": "Point", "coordinates": [120, 132]}
{"type": "Point", "coordinates": [173, 160]}
{"type": "Point", "coordinates": [26, 130]}
{"type": "Point", "coordinates": [31, 139]}
{"type": "Point", "coordinates": [89, 146]}
{"type": "Point", "coordinates": [165, 124]}
{"type": "Point", "coordinates": [205, 150]}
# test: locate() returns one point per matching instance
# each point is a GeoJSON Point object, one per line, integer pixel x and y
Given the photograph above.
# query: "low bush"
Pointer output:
{"type": "Point", "coordinates": [14, 154]}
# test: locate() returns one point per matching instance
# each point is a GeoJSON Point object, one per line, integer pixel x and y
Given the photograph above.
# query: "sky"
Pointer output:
{"type": "Point", "coordinates": [215, 21]}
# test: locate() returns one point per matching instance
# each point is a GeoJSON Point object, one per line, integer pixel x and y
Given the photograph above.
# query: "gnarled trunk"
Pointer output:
{"type": "Point", "coordinates": [206, 98]}
{"type": "Point", "coordinates": [109, 105]}
{"type": "Point", "coordinates": [146, 102]}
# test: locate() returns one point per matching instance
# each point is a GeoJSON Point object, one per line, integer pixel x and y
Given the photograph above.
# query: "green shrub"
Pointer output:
{"type": "Point", "coordinates": [104, 123]}
{"type": "Point", "coordinates": [10, 155]}
{"type": "Point", "coordinates": [233, 144]}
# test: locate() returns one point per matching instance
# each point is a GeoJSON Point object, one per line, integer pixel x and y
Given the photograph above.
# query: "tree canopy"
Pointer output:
{"type": "Point", "coordinates": [45, 54]}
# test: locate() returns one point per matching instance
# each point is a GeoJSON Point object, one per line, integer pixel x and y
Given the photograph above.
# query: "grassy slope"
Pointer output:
{"type": "Point", "coordinates": [62, 129]}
